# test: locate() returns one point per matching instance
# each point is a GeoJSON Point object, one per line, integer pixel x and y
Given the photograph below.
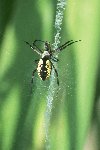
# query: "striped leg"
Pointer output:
{"type": "Point", "coordinates": [32, 78]}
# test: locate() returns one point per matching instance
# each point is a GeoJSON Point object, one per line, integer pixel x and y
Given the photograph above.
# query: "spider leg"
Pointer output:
{"type": "Point", "coordinates": [36, 61]}
{"type": "Point", "coordinates": [37, 47]}
{"type": "Point", "coordinates": [38, 41]}
{"type": "Point", "coordinates": [68, 43]}
{"type": "Point", "coordinates": [46, 44]}
{"type": "Point", "coordinates": [34, 49]}
{"type": "Point", "coordinates": [55, 72]}
{"type": "Point", "coordinates": [32, 78]}
{"type": "Point", "coordinates": [55, 59]}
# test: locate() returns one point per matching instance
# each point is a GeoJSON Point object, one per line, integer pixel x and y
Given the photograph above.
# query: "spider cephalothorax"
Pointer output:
{"type": "Point", "coordinates": [45, 63]}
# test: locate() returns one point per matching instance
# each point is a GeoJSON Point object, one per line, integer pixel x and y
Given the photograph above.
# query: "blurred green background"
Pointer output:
{"type": "Point", "coordinates": [75, 120]}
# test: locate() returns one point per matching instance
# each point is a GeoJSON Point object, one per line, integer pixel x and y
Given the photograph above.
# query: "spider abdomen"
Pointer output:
{"type": "Point", "coordinates": [44, 68]}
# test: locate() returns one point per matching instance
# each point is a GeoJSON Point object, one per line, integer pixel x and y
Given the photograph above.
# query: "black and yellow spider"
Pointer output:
{"type": "Point", "coordinates": [45, 63]}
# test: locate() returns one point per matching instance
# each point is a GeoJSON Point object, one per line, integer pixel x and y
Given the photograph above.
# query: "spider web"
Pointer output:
{"type": "Point", "coordinates": [52, 88]}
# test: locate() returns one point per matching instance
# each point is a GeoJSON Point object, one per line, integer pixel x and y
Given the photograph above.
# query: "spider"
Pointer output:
{"type": "Point", "coordinates": [45, 63]}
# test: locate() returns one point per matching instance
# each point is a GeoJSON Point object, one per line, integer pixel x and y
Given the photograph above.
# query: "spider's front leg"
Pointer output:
{"type": "Point", "coordinates": [68, 43]}
{"type": "Point", "coordinates": [38, 51]}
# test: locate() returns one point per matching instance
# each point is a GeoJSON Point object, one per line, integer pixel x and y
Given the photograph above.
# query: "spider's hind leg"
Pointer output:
{"type": "Point", "coordinates": [32, 78]}
{"type": "Point", "coordinates": [36, 61]}
{"type": "Point", "coordinates": [56, 73]}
